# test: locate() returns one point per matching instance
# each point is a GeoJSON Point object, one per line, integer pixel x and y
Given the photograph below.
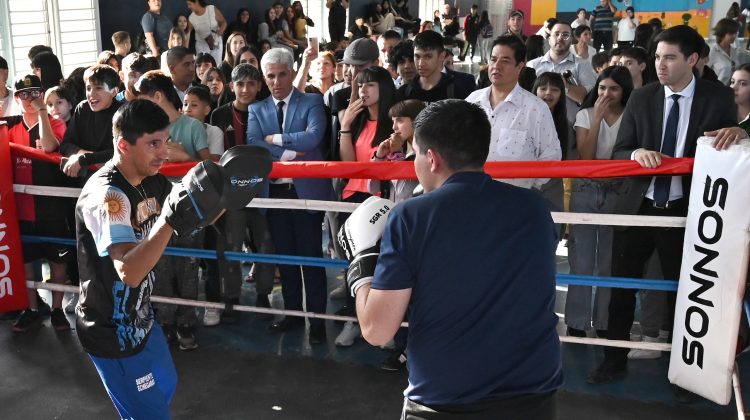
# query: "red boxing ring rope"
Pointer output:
{"type": "Point", "coordinates": [405, 170]}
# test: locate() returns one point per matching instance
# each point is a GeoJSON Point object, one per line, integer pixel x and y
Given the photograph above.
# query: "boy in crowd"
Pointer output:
{"type": "Point", "coordinates": [121, 41]}
{"type": "Point", "coordinates": [89, 137]}
{"type": "Point", "coordinates": [134, 65]}
{"type": "Point", "coordinates": [224, 275]}
{"type": "Point", "coordinates": [402, 57]}
{"type": "Point", "coordinates": [600, 61]}
{"type": "Point", "coordinates": [634, 59]}
{"type": "Point", "coordinates": [433, 84]}
{"type": "Point", "coordinates": [6, 94]}
{"type": "Point", "coordinates": [39, 214]}
{"type": "Point", "coordinates": [197, 104]}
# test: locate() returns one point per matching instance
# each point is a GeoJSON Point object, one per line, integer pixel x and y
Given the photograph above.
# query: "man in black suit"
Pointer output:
{"type": "Point", "coordinates": [661, 119]}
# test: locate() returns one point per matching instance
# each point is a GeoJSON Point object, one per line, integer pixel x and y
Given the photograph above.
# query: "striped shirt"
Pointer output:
{"type": "Point", "coordinates": [603, 18]}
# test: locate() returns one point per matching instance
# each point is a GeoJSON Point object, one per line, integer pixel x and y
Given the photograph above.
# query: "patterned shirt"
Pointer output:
{"type": "Point", "coordinates": [522, 129]}
{"type": "Point", "coordinates": [603, 18]}
{"type": "Point", "coordinates": [114, 320]}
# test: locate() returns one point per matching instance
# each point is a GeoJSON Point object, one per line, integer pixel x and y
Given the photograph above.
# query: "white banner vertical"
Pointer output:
{"type": "Point", "coordinates": [713, 272]}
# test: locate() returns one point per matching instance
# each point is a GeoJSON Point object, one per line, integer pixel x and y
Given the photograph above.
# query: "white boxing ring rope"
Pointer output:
{"type": "Point", "coordinates": [559, 217]}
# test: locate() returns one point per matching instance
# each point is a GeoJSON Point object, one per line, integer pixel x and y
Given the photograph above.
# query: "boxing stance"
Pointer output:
{"type": "Point", "coordinates": [471, 263]}
{"type": "Point", "coordinates": [125, 215]}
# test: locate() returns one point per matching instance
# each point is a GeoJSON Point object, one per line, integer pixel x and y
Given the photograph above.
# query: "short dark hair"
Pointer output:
{"type": "Point", "coordinates": [401, 52]}
{"type": "Point", "coordinates": [580, 9]}
{"type": "Point", "coordinates": [246, 71]}
{"type": "Point", "coordinates": [201, 92]}
{"type": "Point", "coordinates": [637, 53]}
{"type": "Point", "coordinates": [120, 37]}
{"type": "Point", "coordinates": [458, 130]}
{"type": "Point", "coordinates": [36, 49]}
{"type": "Point", "coordinates": [599, 59]}
{"type": "Point", "coordinates": [135, 62]}
{"type": "Point", "coordinates": [205, 58]}
{"type": "Point", "coordinates": [512, 41]}
{"type": "Point", "coordinates": [102, 74]}
{"type": "Point", "coordinates": [577, 32]}
{"type": "Point", "coordinates": [429, 40]}
{"type": "Point", "coordinates": [136, 118]}
{"type": "Point", "coordinates": [391, 34]}
{"type": "Point", "coordinates": [687, 39]}
{"type": "Point", "coordinates": [615, 51]}
{"type": "Point", "coordinates": [409, 108]}
{"type": "Point", "coordinates": [725, 27]}
{"type": "Point", "coordinates": [156, 81]}
{"type": "Point", "coordinates": [176, 54]}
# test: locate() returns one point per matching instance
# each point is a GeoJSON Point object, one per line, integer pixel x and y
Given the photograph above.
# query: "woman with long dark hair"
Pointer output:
{"type": "Point", "coordinates": [242, 24]}
{"type": "Point", "coordinates": [364, 126]}
{"type": "Point", "coordinates": [214, 80]}
{"type": "Point", "coordinates": [182, 23]}
{"type": "Point", "coordinates": [590, 246]}
{"type": "Point", "coordinates": [267, 31]}
{"type": "Point", "coordinates": [47, 68]}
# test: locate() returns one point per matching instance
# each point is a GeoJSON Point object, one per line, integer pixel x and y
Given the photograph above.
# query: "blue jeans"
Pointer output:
{"type": "Point", "coordinates": [590, 253]}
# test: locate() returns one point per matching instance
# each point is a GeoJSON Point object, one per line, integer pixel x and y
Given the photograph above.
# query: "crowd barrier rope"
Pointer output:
{"type": "Point", "coordinates": [401, 170]}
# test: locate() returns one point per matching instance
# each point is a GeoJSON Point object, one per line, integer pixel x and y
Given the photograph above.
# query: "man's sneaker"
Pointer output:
{"type": "Point", "coordinates": [70, 308]}
{"type": "Point", "coordinates": [59, 320]}
{"type": "Point", "coordinates": [396, 361]}
{"type": "Point", "coordinates": [28, 319]}
{"type": "Point", "coordinates": [348, 334]}
{"type": "Point", "coordinates": [42, 306]}
{"type": "Point", "coordinates": [186, 338]}
{"type": "Point", "coordinates": [339, 292]}
{"type": "Point", "coordinates": [211, 317]}
{"type": "Point", "coordinates": [640, 354]}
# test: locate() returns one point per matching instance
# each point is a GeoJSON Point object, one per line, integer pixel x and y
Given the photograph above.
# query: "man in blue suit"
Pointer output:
{"type": "Point", "coordinates": [292, 124]}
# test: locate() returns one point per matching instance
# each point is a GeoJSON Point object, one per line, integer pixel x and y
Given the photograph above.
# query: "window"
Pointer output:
{"type": "Point", "coordinates": [70, 27]}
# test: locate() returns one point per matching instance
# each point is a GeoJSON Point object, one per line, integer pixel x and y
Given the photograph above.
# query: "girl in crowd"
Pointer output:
{"type": "Point", "coordinates": [189, 140]}
{"type": "Point", "coordinates": [486, 36]}
{"type": "Point", "coordinates": [320, 69]}
{"type": "Point", "coordinates": [181, 22]}
{"type": "Point", "coordinates": [264, 46]}
{"type": "Point", "coordinates": [220, 94]}
{"type": "Point", "coordinates": [155, 27]}
{"type": "Point", "coordinates": [550, 88]}
{"type": "Point", "coordinates": [109, 58]}
{"type": "Point", "coordinates": [740, 82]}
{"type": "Point", "coordinates": [582, 49]}
{"type": "Point", "coordinates": [47, 68]}
{"type": "Point", "coordinates": [396, 148]}
{"type": "Point", "coordinates": [365, 124]}
{"type": "Point", "coordinates": [724, 57]}
{"type": "Point", "coordinates": [427, 25]}
{"type": "Point", "coordinates": [197, 104]}
{"type": "Point", "coordinates": [267, 31]}
{"type": "Point", "coordinates": [242, 24]}
{"type": "Point", "coordinates": [177, 38]}
{"type": "Point", "coordinates": [60, 103]}
{"type": "Point", "coordinates": [590, 246]}
{"type": "Point", "coordinates": [203, 62]}
{"type": "Point", "coordinates": [298, 25]}
{"type": "Point", "coordinates": [209, 25]}
{"type": "Point", "coordinates": [379, 20]}
{"type": "Point", "coordinates": [235, 41]}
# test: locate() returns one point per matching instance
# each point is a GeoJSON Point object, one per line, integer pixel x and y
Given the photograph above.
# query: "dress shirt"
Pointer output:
{"type": "Point", "coordinates": [277, 139]}
{"type": "Point", "coordinates": [686, 104]}
{"type": "Point", "coordinates": [522, 130]}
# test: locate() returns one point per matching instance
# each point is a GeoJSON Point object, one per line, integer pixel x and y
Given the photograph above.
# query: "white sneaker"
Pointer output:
{"type": "Point", "coordinates": [639, 354]}
{"type": "Point", "coordinates": [339, 292]}
{"type": "Point", "coordinates": [70, 308]}
{"type": "Point", "coordinates": [211, 317]}
{"type": "Point", "coordinates": [348, 334]}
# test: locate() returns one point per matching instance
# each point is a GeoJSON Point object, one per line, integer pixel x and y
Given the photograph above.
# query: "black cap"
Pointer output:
{"type": "Point", "coordinates": [28, 82]}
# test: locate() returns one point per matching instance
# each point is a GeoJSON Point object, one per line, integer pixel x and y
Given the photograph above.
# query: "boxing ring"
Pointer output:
{"type": "Point", "coordinates": [405, 170]}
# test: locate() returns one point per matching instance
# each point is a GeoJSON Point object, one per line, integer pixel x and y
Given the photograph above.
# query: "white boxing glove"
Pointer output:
{"type": "Point", "coordinates": [360, 238]}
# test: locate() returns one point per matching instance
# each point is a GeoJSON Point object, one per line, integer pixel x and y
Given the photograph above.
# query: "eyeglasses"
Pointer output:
{"type": "Point", "coordinates": [564, 35]}
{"type": "Point", "coordinates": [26, 94]}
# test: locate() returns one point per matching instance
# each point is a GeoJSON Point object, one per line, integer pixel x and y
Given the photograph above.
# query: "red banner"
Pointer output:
{"type": "Point", "coordinates": [13, 293]}
{"type": "Point", "coordinates": [405, 170]}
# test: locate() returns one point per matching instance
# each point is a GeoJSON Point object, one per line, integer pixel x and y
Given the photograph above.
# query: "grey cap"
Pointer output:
{"type": "Point", "coordinates": [361, 51]}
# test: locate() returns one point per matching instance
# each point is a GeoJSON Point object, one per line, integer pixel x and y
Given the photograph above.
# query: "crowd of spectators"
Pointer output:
{"type": "Point", "coordinates": [562, 93]}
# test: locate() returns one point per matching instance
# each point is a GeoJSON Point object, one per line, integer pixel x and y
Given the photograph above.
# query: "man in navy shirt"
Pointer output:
{"type": "Point", "coordinates": [467, 263]}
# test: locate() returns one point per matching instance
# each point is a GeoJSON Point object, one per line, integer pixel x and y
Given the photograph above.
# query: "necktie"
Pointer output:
{"type": "Point", "coordinates": [280, 115]}
{"type": "Point", "coordinates": [662, 183]}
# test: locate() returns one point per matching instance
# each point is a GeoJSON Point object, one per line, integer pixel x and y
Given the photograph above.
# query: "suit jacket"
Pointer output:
{"type": "Point", "coordinates": [641, 127]}
{"type": "Point", "coordinates": [304, 131]}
